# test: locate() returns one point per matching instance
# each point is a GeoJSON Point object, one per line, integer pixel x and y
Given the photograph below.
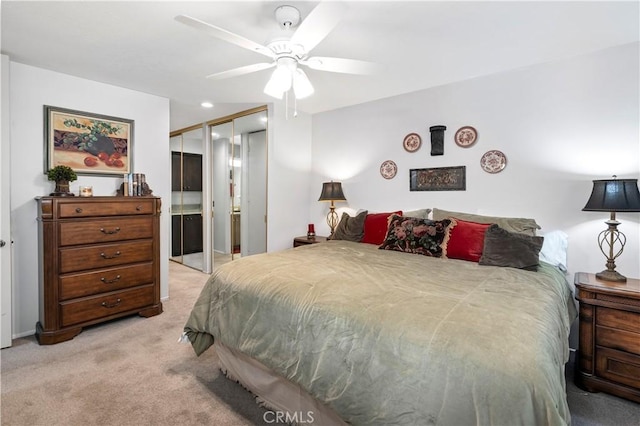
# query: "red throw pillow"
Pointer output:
{"type": "Point", "coordinates": [375, 227]}
{"type": "Point", "coordinates": [466, 240]}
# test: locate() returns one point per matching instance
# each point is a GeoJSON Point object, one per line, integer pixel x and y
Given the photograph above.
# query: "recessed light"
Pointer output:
{"type": "Point", "coordinates": [206, 105]}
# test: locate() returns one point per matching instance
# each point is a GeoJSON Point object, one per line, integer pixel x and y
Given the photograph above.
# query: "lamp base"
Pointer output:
{"type": "Point", "coordinates": [611, 276]}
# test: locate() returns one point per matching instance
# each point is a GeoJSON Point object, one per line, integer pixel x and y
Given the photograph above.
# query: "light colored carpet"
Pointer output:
{"type": "Point", "coordinates": [133, 371]}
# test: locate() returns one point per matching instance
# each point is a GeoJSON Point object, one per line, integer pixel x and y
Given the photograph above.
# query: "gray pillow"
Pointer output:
{"type": "Point", "coordinates": [420, 213]}
{"type": "Point", "coordinates": [504, 248]}
{"type": "Point", "coordinates": [511, 224]}
{"type": "Point", "coordinates": [350, 228]}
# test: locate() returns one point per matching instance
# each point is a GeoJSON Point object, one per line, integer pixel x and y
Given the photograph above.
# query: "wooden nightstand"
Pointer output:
{"type": "Point", "coordinates": [303, 241]}
{"type": "Point", "coordinates": [609, 348]}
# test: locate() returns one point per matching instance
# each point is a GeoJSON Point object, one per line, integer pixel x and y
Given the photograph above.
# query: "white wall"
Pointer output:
{"type": "Point", "coordinates": [560, 125]}
{"type": "Point", "coordinates": [30, 89]}
{"type": "Point", "coordinates": [289, 160]}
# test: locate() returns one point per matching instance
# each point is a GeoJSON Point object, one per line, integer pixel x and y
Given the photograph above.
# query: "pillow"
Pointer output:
{"type": "Point", "coordinates": [511, 224]}
{"type": "Point", "coordinates": [375, 227]}
{"type": "Point", "coordinates": [420, 213]}
{"type": "Point", "coordinates": [554, 249]}
{"type": "Point", "coordinates": [350, 228]}
{"type": "Point", "coordinates": [504, 248]}
{"type": "Point", "coordinates": [415, 235]}
{"type": "Point", "coordinates": [466, 240]}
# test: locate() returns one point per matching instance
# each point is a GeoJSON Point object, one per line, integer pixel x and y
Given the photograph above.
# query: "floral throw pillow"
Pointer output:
{"type": "Point", "coordinates": [415, 235]}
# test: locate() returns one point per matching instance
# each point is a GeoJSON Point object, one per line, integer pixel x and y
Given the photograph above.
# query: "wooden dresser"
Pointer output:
{"type": "Point", "coordinates": [99, 260]}
{"type": "Point", "coordinates": [609, 346]}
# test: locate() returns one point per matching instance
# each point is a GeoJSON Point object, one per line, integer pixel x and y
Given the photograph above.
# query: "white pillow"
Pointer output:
{"type": "Point", "coordinates": [554, 249]}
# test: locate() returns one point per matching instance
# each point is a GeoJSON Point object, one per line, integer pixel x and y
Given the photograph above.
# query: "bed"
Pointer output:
{"type": "Point", "coordinates": [345, 333]}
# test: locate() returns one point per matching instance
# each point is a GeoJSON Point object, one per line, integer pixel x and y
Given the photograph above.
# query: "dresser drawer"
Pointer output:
{"type": "Point", "coordinates": [105, 280]}
{"type": "Point", "coordinates": [89, 309]}
{"type": "Point", "coordinates": [105, 230]}
{"type": "Point", "coordinates": [617, 366]}
{"type": "Point", "coordinates": [74, 259]}
{"type": "Point", "coordinates": [124, 206]}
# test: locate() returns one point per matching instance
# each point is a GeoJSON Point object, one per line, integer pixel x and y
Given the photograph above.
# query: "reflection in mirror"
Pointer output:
{"type": "Point", "coordinates": [221, 136]}
{"type": "Point", "coordinates": [175, 144]}
{"type": "Point", "coordinates": [186, 212]}
{"type": "Point", "coordinates": [250, 177]}
{"type": "Point", "coordinates": [239, 174]}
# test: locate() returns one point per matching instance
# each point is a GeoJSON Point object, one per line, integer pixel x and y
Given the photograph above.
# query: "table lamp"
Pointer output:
{"type": "Point", "coordinates": [332, 191]}
{"type": "Point", "coordinates": [613, 195]}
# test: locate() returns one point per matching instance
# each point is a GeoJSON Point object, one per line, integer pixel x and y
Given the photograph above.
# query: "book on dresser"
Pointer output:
{"type": "Point", "coordinates": [99, 260]}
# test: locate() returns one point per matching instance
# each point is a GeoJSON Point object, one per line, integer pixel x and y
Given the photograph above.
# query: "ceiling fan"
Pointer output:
{"type": "Point", "coordinates": [289, 49]}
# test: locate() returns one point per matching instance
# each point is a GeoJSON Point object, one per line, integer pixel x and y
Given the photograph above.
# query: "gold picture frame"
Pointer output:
{"type": "Point", "coordinates": [91, 144]}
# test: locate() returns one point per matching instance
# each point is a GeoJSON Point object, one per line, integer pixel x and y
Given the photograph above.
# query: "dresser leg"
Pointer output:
{"type": "Point", "coordinates": [152, 311]}
{"type": "Point", "coordinates": [53, 337]}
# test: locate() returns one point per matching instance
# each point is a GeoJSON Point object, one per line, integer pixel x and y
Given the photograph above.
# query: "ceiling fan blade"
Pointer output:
{"type": "Point", "coordinates": [346, 66]}
{"type": "Point", "coordinates": [241, 71]}
{"type": "Point", "coordinates": [225, 35]}
{"type": "Point", "coordinates": [318, 24]}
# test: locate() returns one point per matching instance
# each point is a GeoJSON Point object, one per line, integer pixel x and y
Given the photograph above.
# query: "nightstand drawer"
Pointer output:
{"type": "Point", "coordinates": [622, 320]}
{"type": "Point", "coordinates": [618, 339]}
{"type": "Point", "coordinates": [618, 366]}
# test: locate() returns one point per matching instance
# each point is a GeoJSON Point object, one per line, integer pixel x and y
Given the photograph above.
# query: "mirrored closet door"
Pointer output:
{"type": "Point", "coordinates": [239, 185]}
{"type": "Point", "coordinates": [219, 190]}
{"type": "Point", "coordinates": [187, 238]}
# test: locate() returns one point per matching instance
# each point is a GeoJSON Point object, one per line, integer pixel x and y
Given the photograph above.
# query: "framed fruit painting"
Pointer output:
{"type": "Point", "coordinates": [88, 143]}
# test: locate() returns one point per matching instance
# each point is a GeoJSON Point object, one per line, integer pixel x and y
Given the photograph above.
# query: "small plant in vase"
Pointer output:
{"type": "Point", "coordinates": [62, 175]}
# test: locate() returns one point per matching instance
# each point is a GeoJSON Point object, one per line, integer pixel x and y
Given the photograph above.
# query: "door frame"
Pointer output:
{"type": "Point", "coordinates": [6, 293]}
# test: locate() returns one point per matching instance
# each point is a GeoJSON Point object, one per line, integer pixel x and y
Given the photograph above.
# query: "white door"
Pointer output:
{"type": "Point", "coordinates": [5, 210]}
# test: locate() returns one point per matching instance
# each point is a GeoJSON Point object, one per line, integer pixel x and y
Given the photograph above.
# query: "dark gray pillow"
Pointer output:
{"type": "Point", "coordinates": [350, 228]}
{"type": "Point", "coordinates": [504, 248]}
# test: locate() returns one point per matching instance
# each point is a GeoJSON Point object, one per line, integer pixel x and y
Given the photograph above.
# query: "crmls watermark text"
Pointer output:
{"type": "Point", "coordinates": [285, 417]}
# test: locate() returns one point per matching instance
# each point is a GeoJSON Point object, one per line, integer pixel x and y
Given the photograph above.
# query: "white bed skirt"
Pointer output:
{"type": "Point", "coordinates": [287, 402]}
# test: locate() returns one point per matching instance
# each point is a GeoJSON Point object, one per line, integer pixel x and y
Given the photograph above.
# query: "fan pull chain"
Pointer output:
{"type": "Point", "coordinates": [286, 105]}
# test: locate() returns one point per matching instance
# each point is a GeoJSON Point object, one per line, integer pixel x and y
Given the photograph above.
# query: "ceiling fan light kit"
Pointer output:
{"type": "Point", "coordinates": [289, 50]}
{"type": "Point", "coordinates": [288, 75]}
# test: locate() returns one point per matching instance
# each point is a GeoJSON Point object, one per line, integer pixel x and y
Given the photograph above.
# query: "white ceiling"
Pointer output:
{"type": "Point", "coordinates": [419, 44]}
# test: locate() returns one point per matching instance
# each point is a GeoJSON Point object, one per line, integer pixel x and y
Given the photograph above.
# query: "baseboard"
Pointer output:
{"type": "Point", "coordinates": [24, 334]}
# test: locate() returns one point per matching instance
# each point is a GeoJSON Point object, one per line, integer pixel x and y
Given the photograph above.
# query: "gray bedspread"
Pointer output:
{"type": "Point", "coordinates": [392, 338]}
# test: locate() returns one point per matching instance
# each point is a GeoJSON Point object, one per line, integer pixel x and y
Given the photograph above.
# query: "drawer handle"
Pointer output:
{"type": "Point", "coordinates": [106, 281]}
{"type": "Point", "coordinates": [78, 210]}
{"type": "Point", "coordinates": [138, 208]}
{"type": "Point", "coordinates": [111, 305]}
{"type": "Point", "coordinates": [104, 256]}
{"type": "Point", "coordinates": [115, 231]}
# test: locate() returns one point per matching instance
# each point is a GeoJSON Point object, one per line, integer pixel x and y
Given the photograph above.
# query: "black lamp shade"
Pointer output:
{"type": "Point", "coordinates": [614, 195]}
{"type": "Point", "coordinates": [332, 191]}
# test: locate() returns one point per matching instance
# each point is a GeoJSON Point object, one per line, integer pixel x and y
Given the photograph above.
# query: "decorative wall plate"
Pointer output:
{"type": "Point", "coordinates": [493, 161]}
{"type": "Point", "coordinates": [412, 142]}
{"type": "Point", "coordinates": [466, 136]}
{"type": "Point", "coordinates": [388, 169]}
